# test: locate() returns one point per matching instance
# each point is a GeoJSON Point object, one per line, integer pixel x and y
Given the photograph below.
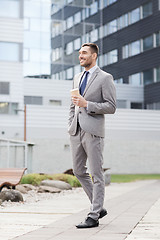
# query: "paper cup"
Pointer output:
{"type": "Point", "coordinates": [75, 92]}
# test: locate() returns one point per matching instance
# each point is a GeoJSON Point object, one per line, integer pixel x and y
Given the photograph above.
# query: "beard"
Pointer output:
{"type": "Point", "coordinates": [87, 64]}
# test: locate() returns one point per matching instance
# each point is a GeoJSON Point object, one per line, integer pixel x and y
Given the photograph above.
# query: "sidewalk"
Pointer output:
{"type": "Point", "coordinates": [133, 214]}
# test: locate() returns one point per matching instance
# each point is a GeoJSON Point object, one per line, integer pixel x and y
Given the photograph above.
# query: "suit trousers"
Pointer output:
{"type": "Point", "coordinates": [86, 146]}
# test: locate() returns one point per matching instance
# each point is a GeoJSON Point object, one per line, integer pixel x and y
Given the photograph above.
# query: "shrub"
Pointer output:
{"type": "Point", "coordinates": [35, 179]}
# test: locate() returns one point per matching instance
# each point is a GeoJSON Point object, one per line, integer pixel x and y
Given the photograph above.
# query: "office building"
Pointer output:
{"type": "Point", "coordinates": [128, 34]}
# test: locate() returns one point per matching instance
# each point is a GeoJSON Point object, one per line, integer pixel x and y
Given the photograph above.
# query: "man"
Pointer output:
{"type": "Point", "coordinates": [87, 129]}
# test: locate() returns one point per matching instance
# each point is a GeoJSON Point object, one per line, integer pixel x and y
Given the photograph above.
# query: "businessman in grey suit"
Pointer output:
{"type": "Point", "coordinates": [87, 129]}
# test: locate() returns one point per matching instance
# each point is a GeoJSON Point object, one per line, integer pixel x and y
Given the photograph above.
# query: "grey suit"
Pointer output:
{"type": "Point", "coordinates": [87, 130]}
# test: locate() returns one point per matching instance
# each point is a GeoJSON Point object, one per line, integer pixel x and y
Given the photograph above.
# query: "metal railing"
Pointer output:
{"type": "Point", "coordinates": [14, 153]}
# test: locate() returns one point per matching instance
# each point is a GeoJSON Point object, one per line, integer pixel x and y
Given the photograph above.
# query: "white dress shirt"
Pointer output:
{"type": "Point", "coordinates": [91, 71]}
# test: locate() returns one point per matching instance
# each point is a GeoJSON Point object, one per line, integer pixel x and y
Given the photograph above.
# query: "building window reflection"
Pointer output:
{"type": "Point", "coordinates": [147, 9]}
{"type": "Point", "coordinates": [148, 76]}
{"type": "Point", "coordinates": [148, 43]}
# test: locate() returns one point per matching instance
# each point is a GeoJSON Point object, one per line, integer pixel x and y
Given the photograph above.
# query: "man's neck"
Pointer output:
{"type": "Point", "coordinates": [89, 67]}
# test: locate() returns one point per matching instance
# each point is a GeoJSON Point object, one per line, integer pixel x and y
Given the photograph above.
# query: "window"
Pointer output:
{"type": "Point", "coordinates": [9, 51]}
{"type": "Point", "coordinates": [77, 17]}
{"type": "Point", "coordinates": [112, 26]}
{"type": "Point", "coordinates": [158, 74]}
{"type": "Point", "coordinates": [77, 44]}
{"type": "Point", "coordinates": [111, 1]}
{"type": "Point", "coordinates": [86, 12]}
{"type": "Point", "coordinates": [126, 23]}
{"type": "Point", "coordinates": [69, 48]}
{"type": "Point", "coordinates": [135, 15]}
{"type": "Point", "coordinates": [4, 87]}
{"type": "Point", "coordinates": [33, 100]}
{"type": "Point", "coordinates": [69, 73]}
{"type": "Point", "coordinates": [94, 35]}
{"type": "Point", "coordinates": [56, 54]}
{"type": "Point", "coordinates": [148, 43]}
{"type": "Point", "coordinates": [135, 79]}
{"type": "Point", "coordinates": [134, 48]}
{"type": "Point", "coordinates": [158, 39]}
{"type": "Point", "coordinates": [119, 81]}
{"type": "Point", "coordinates": [101, 61]}
{"type": "Point", "coordinates": [55, 102]}
{"type": "Point", "coordinates": [121, 22]}
{"type": "Point", "coordinates": [136, 105]}
{"type": "Point", "coordinates": [8, 108]}
{"type": "Point", "coordinates": [69, 22]}
{"type": "Point", "coordinates": [148, 77]}
{"type": "Point", "coordinates": [147, 9]}
{"type": "Point", "coordinates": [126, 51]}
{"type": "Point", "coordinates": [113, 56]}
{"type": "Point", "coordinates": [10, 8]}
{"type": "Point", "coordinates": [93, 8]}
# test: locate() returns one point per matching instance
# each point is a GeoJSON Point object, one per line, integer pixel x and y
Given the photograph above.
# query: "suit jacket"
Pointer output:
{"type": "Point", "coordinates": [101, 96]}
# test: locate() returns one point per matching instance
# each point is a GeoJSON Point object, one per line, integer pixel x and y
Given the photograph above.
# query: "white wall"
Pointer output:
{"type": "Point", "coordinates": [132, 140]}
{"type": "Point", "coordinates": [11, 30]}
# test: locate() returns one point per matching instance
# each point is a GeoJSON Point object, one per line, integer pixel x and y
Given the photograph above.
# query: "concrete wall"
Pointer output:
{"type": "Point", "coordinates": [132, 140]}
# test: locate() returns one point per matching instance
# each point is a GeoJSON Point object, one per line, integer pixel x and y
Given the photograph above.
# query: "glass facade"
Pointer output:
{"type": "Point", "coordinates": [37, 35]}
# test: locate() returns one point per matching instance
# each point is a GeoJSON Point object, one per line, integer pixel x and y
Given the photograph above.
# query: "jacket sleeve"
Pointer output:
{"type": "Point", "coordinates": [108, 106]}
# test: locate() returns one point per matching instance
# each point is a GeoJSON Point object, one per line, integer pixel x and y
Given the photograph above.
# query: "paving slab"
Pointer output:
{"type": "Point", "coordinates": [125, 212]}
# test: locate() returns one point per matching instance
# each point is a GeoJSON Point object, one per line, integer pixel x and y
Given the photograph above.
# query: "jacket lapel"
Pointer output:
{"type": "Point", "coordinates": [78, 79]}
{"type": "Point", "coordinates": [94, 75]}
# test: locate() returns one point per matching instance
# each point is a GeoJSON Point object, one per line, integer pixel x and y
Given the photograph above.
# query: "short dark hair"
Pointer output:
{"type": "Point", "coordinates": [93, 46]}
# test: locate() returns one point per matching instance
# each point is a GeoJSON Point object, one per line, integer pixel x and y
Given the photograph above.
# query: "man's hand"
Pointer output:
{"type": "Point", "coordinates": [79, 101]}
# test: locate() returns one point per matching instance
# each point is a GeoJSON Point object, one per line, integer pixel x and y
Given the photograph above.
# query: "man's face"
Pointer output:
{"type": "Point", "coordinates": [86, 57]}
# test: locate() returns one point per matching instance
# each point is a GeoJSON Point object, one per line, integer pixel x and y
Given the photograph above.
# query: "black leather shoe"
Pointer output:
{"type": "Point", "coordinates": [88, 223]}
{"type": "Point", "coordinates": [103, 213]}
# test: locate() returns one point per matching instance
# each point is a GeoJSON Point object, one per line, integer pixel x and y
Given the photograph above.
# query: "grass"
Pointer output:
{"type": "Point", "coordinates": [122, 178]}
{"type": "Point", "coordinates": [35, 178]}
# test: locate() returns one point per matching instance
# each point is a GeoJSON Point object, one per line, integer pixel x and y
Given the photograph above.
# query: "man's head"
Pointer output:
{"type": "Point", "coordinates": [88, 55]}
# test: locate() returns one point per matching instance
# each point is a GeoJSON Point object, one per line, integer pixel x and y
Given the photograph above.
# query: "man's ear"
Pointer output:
{"type": "Point", "coordinates": [94, 56]}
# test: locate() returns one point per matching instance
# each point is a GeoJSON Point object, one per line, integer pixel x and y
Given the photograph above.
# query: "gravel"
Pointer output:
{"type": "Point", "coordinates": [32, 196]}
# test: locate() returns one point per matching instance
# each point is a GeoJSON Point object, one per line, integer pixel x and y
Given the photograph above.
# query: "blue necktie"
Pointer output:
{"type": "Point", "coordinates": [84, 83]}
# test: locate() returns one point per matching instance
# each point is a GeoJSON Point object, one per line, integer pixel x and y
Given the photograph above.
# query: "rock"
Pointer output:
{"type": "Point", "coordinates": [21, 188]}
{"type": "Point", "coordinates": [107, 177]}
{"type": "Point", "coordinates": [42, 189]}
{"type": "Point", "coordinates": [29, 187]}
{"type": "Point", "coordinates": [0, 202]}
{"type": "Point", "coordinates": [57, 184]}
{"type": "Point", "coordinates": [11, 195]}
